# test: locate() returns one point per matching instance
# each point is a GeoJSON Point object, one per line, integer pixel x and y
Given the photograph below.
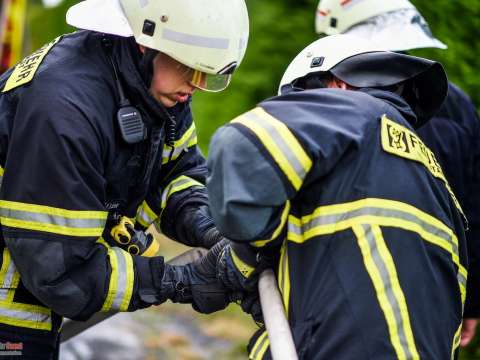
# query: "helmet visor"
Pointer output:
{"type": "Point", "coordinates": [210, 82]}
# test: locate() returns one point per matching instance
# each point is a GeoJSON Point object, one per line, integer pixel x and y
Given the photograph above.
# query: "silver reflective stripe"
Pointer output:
{"type": "Point", "coordinates": [143, 216]}
{"type": "Point", "coordinates": [4, 293]}
{"type": "Point", "coordinates": [25, 315]}
{"type": "Point", "coordinates": [390, 213]}
{"type": "Point", "coordinates": [52, 219]}
{"type": "Point", "coordinates": [177, 150]}
{"type": "Point", "coordinates": [261, 343]}
{"type": "Point", "coordinates": [7, 282]}
{"type": "Point", "coordinates": [280, 142]}
{"type": "Point", "coordinates": [196, 40]}
{"type": "Point", "coordinates": [121, 277]}
{"type": "Point", "coordinates": [179, 183]}
{"type": "Point", "coordinates": [388, 286]}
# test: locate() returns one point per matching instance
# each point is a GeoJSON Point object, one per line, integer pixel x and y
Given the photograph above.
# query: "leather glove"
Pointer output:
{"type": "Point", "coordinates": [194, 227]}
{"type": "Point", "coordinates": [196, 283]}
{"type": "Point", "coordinates": [237, 267]}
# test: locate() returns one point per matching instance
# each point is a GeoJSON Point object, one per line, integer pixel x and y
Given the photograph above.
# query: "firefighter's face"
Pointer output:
{"type": "Point", "coordinates": [171, 82]}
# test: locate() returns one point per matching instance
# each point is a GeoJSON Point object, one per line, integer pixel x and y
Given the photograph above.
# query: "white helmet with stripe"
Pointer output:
{"type": "Point", "coordinates": [363, 64]}
{"type": "Point", "coordinates": [395, 24]}
{"type": "Point", "coordinates": [209, 36]}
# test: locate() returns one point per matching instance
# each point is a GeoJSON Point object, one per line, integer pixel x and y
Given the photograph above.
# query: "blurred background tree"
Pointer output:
{"type": "Point", "coordinates": [279, 30]}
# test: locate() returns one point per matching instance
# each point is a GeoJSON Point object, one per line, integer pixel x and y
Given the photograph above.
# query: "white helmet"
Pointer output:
{"type": "Point", "coordinates": [363, 64]}
{"type": "Point", "coordinates": [209, 36]}
{"type": "Point", "coordinates": [322, 55]}
{"type": "Point", "coordinates": [336, 16]}
{"type": "Point", "coordinates": [379, 20]}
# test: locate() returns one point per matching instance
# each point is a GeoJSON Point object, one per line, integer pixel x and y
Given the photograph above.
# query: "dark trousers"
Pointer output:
{"type": "Point", "coordinates": [29, 344]}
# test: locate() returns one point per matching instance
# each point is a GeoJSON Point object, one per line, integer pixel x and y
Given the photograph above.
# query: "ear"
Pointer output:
{"type": "Point", "coordinates": [336, 83]}
{"type": "Point", "coordinates": [142, 49]}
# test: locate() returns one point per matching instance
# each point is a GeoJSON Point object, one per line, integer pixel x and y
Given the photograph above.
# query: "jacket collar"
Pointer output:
{"type": "Point", "coordinates": [128, 59]}
{"type": "Point", "coordinates": [394, 100]}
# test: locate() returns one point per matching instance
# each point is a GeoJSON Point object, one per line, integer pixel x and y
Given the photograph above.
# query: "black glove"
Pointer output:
{"type": "Point", "coordinates": [250, 304]}
{"type": "Point", "coordinates": [194, 227]}
{"type": "Point", "coordinates": [196, 283]}
{"type": "Point", "coordinates": [237, 267]}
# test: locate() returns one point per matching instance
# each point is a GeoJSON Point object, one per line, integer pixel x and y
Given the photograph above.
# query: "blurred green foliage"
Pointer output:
{"type": "Point", "coordinates": [279, 30]}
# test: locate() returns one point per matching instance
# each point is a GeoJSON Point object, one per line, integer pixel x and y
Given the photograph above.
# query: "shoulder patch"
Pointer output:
{"type": "Point", "coordinates": [402, 142]}
{"type": "Point", "coordinates": [26, 69]}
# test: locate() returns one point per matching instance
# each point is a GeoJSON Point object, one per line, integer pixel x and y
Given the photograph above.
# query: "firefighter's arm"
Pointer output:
{"type": "Point", "coordinates": [250, 189]}
{"type": "Point", "coordinates": [472, 211]}
{"type": "Point", "coordinates": [52, 214]}
{"type": "Point", "coordinates": [179, 204]}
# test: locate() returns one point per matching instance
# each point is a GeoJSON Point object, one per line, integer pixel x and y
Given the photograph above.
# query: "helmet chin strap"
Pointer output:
{"type": "Point", "coordinates": [146, 65]}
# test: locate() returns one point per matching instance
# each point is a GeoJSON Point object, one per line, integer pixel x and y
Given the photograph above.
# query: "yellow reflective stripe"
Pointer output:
{"type": "Point", "coordinates": [260, 347]}
{"type": "Point", "coordinates": [145, 215]}
{"type": "Point", "coordinates": [102, 241]}
{"type": "Point", "coordinates": [284, 148]}
{"type": "Point", "coordinates": [333, 218]}
{"type": "Point", "coordinates": [188, 139]}
{"type": "Point", "coordinates": [72, 214]}
{"type": "Point", "coordinates": [181, 183]}
{"type": "Point", "coordinates": [5, 266]}
{"type": "Point", "coordinates": [9, 277]}
{"type": "Point", "coordinates": [387, 258]}
{"type": "Point", "coordinates": [380, 290]}
{"type": "Point", "coordinates": [121, 283]}
{"type": "Point", "coordinates": [287, 135]}
{"type": "Point", "coordinates": [50, 219]}
{"type": "Point", "coordinates": [25, 315]}
{"type": "Point", "coordinates": [113, 284]}
{"type": "Point", "coordinates": [245, 269]}
{"type": "Point", "coordinates": [456, 340]}
{"type": "Point", "coordinates": [278, 230]}
{"type": "Point", "coordinates": [2, 171]}
{"type": "Point", "coordinates": [284, 276]}
{"type": "Point", "coordinates": [15, 318]}
{"type": "Point", "coordinates": [61, 230]}
{"type": "Point", "coordinates": [263, 349]}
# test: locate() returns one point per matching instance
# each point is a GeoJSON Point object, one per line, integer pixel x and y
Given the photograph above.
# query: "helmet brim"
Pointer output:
{"type": "Point", "coordinates": [104, 16]}
{"type": "Point", "coordinates": [382, 69]}
{"type": "Point", "coordinates": [385, 30]}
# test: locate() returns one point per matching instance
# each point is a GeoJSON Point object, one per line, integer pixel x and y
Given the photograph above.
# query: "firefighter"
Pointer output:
{"type": "Point", "coordinates": [97, 142]}
{"type": "Point", "coordinates": [331, 178]}
{"type": "Point", "coordinates": [453, 134]}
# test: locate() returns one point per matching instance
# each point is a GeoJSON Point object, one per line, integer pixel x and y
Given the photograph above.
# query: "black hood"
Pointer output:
{"type": "Point", "coordinates": [425, 81]}
{"type": "Point", "coordinates": [135, 73]}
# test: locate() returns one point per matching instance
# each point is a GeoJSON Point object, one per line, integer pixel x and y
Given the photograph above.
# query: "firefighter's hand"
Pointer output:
{"type": "Point", "coordinates": [468, 331]}
{"type": "Point", "coordinates": [196, 283]}
{"type": "Point", "coordinates": [237, 267]}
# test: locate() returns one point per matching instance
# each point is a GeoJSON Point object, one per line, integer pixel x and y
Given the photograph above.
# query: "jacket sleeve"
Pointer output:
{"type": "Point", "coordinates": [472, 211]}
{"type": "Point", "coordinates": [256, 165]}
{"type": "Point", "coordinates": [180, 190]}
{"type": "Point", "coordinates": [52, 210]}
